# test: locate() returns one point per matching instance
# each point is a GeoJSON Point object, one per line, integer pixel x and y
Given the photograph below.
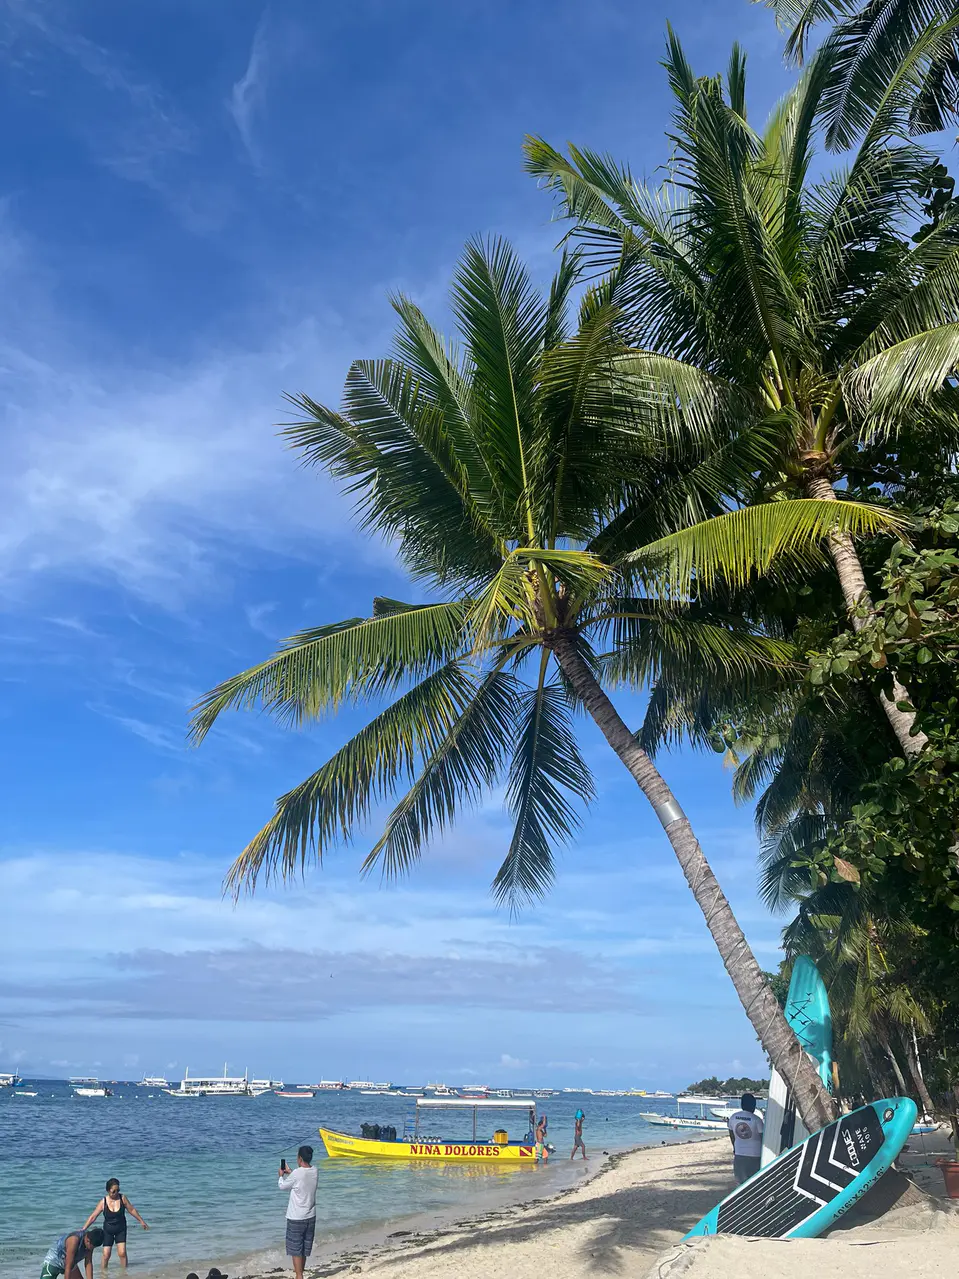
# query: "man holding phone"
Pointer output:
{"type": "Point", "coordinates": [301, 1209]}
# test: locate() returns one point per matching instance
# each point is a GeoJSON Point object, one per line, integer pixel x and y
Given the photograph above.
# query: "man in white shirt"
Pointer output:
{"type": "Point", "coordinates": [301, 1210]}
{"type": "Point", "coordinates": [746, 1136]}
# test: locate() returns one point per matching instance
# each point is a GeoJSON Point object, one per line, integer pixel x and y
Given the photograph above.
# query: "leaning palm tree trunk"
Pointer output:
{"type": "Point", "coordinates": [852, 580]}
{"type": "Point", "coordinates": [760, 1004]}
{"type": "Point", "coordinates": [915, 1070]}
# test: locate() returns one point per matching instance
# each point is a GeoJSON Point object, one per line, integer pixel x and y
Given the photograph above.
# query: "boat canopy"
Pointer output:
{"type": "Point", "coordinates": [474, 1103]}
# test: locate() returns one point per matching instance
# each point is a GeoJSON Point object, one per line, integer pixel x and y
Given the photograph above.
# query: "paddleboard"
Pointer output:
{"type": "Point", "coordinates": [807, 1011]}
{"type": "Point", "coordinates": [805, 1190]}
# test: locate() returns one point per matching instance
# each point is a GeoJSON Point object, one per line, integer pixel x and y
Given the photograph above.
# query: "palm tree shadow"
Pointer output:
{"type": "Point", "coordinates": [645, 1218]}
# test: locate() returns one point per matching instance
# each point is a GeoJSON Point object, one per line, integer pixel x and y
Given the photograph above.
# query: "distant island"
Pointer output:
{"type": "Point", "coordinates": [728, 1087]}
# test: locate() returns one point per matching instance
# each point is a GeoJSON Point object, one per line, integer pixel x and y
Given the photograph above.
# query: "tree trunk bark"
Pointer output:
{"type": "Point", "coordinates": [894, 1063]}
{"type": "Point", "coordinates": [877, 1076]}
{"type": "Point", "coordinates": [845, 557]}
{"type": "Point", "coordinates": [761, 1006]}
{"type": "Point", "coordinates": [915, 1070]}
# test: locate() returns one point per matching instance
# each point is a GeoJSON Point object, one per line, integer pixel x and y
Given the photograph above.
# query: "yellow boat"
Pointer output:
{"type": "Point", "coordinates": [472, 1149]}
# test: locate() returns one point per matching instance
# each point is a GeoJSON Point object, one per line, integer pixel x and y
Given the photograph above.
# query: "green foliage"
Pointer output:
{"type": "Point", "coordinates": [524, 478]}
{"type": "Point", "coordinates": [728, 1087]}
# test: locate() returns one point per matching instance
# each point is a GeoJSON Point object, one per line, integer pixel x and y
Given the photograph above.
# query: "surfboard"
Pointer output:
{"type": "Point", "coordinates": [809, 1187]}
{"type": "Point", "coordinates": [807, 1011]}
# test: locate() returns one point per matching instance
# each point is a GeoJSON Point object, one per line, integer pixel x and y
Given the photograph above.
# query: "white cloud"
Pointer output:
{"type": "Point", "coordinates": [160, 477]}
{"type": "Point", "coordinates": [512, 1063]}
{"type": "Point", "coordinates": [247, 94]}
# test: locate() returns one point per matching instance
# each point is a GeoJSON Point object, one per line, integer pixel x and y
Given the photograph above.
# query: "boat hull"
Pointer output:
{"type": "Point", "coordinates": [341, 1146]}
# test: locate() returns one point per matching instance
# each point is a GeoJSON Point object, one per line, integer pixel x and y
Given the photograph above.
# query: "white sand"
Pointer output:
{"type": "Point", "coordinates": [627, 1220]}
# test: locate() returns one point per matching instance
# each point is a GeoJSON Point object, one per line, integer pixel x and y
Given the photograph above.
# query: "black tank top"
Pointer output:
{"type": "Point", "coordinates": [111, 1218]}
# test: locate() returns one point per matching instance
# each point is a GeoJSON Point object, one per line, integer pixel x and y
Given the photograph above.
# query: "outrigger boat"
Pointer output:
{"type": "Point", "coordinates": [414, 1144]}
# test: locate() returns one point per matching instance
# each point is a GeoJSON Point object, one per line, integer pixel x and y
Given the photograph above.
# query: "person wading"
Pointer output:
{"type": "Point", "coordinates": [578, 1143]}
{"type": "Point", "coordinates": [301, 1210]}
{"type": "Point", "coordinates": [114, 1205]}
{"type": "Point", "coordinates": [746, 1137]}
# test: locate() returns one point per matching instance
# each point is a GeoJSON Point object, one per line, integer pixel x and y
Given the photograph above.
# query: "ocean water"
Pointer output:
{"type": "Point", "coordinates": [202, 1172]}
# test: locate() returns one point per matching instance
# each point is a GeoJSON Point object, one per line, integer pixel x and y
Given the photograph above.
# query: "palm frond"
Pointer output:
{"type": "Point", "coordinates": [316, 670]}
{"type": "Point", "coordinates": [503, 320]}
{"type": "Point", "coordinates": [546, 773]}
{"type": "Point", "coordinates": [464, 764]}
{"type": "Point", "coordinates": [326, 807]}
{"type": "Point", "coordinates": [742, 544]}
{"type": "Point", "coordinates": [903, 374]}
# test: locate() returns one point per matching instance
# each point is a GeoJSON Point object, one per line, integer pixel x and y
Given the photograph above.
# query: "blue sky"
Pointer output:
{"type": "Point", "coordinates": [203, 204]}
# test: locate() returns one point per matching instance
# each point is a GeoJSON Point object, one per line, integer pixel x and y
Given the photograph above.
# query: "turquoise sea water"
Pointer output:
{"type": "Point", "coordinates": [202, 1171]}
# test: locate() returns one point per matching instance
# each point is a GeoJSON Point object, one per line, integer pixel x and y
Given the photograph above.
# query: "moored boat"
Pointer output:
{"type": "Point", "coordinates": [416, 1145]}
{"type": "Point", "coordinates": [10, 1079]}
{"type": "Point", "coordinates": [296, 1094]}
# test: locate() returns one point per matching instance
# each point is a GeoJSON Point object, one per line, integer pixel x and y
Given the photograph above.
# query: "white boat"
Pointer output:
{"type": "Point", "coordinates": [683, 1121]}
{"type": "Point", "coordinates": [377, 1092]}
{"type": "Point", "coordinates": [10, 1080]}
{"type": "Point", "coordinates": [328, 1085]}
{"type": "Point", "coordinates": [23, 1092]}
{"type": "Point", "coordinates": [441, 1090]}
{"type": "Point", "coordinates": [659, 1093]}
{"type": "Point", "coordinates": [475, 1090]}
{"type": "Point", "coordinates": [217, 1086]}
{"type": "Point", "coordinates": [83, 1081]}
{"type": "Point", "coordinates": [260, 1086]}
{"type": "Point", "coordinates": [727, 1112]}
{"type": "Point", "coordinates": [153, 1081]}
{"type": "Point", "coordinates": [295, 1094]}
{"type": "Point", "coordinates": [92, 1092]}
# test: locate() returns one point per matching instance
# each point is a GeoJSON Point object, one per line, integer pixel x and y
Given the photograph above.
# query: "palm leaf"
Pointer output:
{"type": "Point", "coordinates": [317, 670]}
{"type": "Point", "coordinates": [465, 763]}
{"type": "Point", "coordinates": [326, 807]}
{"type": "Point", "coordinates": [740, 545]}
{"type": "Point", "coordinates": [546, 771]}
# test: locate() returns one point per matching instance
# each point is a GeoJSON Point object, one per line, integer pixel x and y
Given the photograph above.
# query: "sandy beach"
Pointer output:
{"type": "Point", "coordinates": [627, 1218]}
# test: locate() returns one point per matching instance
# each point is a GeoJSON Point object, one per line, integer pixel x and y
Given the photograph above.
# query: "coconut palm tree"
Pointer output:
{"type": "Point", "coordinates": [867, 47]}
{"type": "Point", "coordinates": [750, 291]}
{"type": "Point", "coordinates": [551, 511]}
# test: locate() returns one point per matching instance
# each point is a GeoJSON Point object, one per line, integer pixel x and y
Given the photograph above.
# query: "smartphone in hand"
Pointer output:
{"type": "Point", "coordinates": [283, 1167]}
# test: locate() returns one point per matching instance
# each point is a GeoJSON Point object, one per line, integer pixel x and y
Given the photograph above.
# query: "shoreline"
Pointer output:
{"type": "Point", "coordinates": [405, 1241]}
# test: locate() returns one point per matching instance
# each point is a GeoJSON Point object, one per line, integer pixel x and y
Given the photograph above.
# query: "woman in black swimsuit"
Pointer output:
{"type": "Point", "coordinates": [114, 1207]}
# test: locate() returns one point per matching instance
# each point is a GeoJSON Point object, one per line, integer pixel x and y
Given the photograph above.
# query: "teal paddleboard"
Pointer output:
{"type": "Point", "coordinates": [804, 1191]}
{"type": "Point", "coordinates": [807, 1011]}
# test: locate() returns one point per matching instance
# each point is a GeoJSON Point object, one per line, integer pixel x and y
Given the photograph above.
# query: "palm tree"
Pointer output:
{"type": "Point", "coordinates": [551, 511]}
{"type": "Point", "coordinates": [860, 946]}
{"type": "Point", "coordinates": [751, 293]}
{"type": "Point", "coordinates": [867, 47]}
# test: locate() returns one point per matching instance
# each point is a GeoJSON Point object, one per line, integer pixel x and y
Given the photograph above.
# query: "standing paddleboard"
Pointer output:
{"type": "Point", "coordinates": [807, 1011]}
{"type": "Point", "coordinates": [805, 1190]}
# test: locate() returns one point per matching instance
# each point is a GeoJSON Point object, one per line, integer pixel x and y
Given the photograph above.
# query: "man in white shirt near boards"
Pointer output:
{"type": "Point", "coordinates": [746, 1135]}
{"type": "Point", "coordinates": [301, 1210]}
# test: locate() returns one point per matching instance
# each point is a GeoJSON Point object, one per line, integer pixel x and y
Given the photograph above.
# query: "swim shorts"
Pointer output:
{"type": "Point", "coordinates": [49, 1271]}
{"type": "Point", "coordinates": [115, 1234]}
{"type": "Point", "coordinates": [299, 1236]}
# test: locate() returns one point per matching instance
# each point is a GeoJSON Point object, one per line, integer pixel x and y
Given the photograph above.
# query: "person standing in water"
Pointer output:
{"type": "Point", "coordinates": [114, 1207]}
{"type": "Point", "coordinates": [578, 1143]}
{"type": "Point", "coordinates": [540, 1150]}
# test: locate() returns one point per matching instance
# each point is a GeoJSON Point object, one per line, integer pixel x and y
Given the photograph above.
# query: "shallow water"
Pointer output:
{"type": "Point", "coordinates": [203, 1171]}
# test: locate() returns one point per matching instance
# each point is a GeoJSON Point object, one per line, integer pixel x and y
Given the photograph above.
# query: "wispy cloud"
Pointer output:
{"type": "Point", "coordinates": [248, 93]}
{"type": "Point", "coordinates": [160, 476]}
{"type": "Point", "coordinates": [128, 124]}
